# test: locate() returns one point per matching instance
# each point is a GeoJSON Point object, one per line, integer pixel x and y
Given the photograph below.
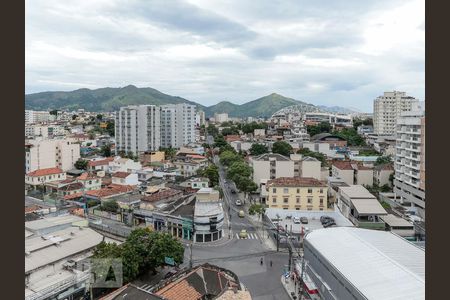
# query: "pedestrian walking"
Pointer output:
{"type": "Point", "coordinates": [270, 263]}
{"type": "Point", "coordinates": [261, 261]}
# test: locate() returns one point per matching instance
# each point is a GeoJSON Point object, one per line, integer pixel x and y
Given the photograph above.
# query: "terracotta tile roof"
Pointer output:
{"type": "Point", "coordinates": [362, 167]}
{"type": "Point", "coordinates": [73, 196]}
{"type": "Point", "coordinates": [180, 291]}
{"type": "Point", "coordinates": [72, 186]}
{"type": "Point", "coordinates": [343, 165]}
{"type": "Point", "coordinates": [232, 138]}
{"type": "Point", "coordinates": [94, 163]}
{"type": "Point", "coordinates": [110, 190]}
{"type": "Point", "coordinates": [121, 174]}
{"type": "Point", "coordinates": [44, 172]}
{"type": "Point", "coordinates": [32, 208]}
{"type": "Point", "coordinates": [86, 176]}
{"type": "Point", "coordinates": [162, 194]}
{"type": "Point", "coordinates": [295, 182]}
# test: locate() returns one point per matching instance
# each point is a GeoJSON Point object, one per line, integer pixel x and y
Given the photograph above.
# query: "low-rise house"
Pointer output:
{"type": "Point", "coordinates": [124, 178]}
{"type": "Point", "coordinates": [109, 191]}
{"type": "Point", "coordinates": [361, 207]}
{"type": "Point", "coordinates": [398, 226]}
{"type": "Point", "coordinates": [382, 173]}
{"type": "Point", "coordinates": [190, 165]}
{"type": "Point", "coordinates": [90, 181]}
{"type": "Point", "coordinates": [301, 193]}
{"type": "Point", "coordinates": [99, 164]}
{"type": "Point", "coordinates": [196, 183]}
{"type": "Point", "coordinates": [124, 165]}
{"type": "Point", "coordinates": [151, 156]}
{"type": "Point", "coordinates": [353, 172]}
{"type": "Point", "coordinates": [164, 195]}
{"type": "Point", "coordinates": [42, 176]}
{"type": "Point", "coordinates": [232, 138]}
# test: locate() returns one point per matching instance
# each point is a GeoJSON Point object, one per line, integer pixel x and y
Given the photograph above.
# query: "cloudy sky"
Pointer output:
{"type": "Point", "coordinates": [328, 52]}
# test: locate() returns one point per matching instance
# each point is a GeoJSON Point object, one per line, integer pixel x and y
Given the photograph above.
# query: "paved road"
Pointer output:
{"type": "Point", "coordinates": [242, 256]}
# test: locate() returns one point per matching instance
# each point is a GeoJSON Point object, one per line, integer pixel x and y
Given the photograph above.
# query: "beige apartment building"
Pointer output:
{"type": "Point", "coordinates": [301, 193]}
{"type": "Point", "coordinates": [58, 153]}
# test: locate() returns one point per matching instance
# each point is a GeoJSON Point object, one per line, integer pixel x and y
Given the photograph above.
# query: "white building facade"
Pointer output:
{"type": "Point", "coordinates": [387, 109]}
{"type": "Point", "coordinates": [34, 116]}
{"type": "Point", "coordinates": [137, 129]}
{"type": "Point", "coordinates": [177, 125]}
{"type": "Point", "coordinates": [409, 165]}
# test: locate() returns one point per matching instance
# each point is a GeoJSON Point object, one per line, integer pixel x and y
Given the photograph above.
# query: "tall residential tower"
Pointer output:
{"type": "Point", "coordinates": [387, 109]}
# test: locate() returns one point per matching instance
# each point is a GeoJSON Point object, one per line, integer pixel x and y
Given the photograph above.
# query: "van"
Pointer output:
{"type": "Point", "coordinates": [241, 214]}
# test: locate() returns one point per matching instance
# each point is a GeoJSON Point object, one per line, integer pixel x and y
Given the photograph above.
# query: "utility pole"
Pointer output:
{"type": "Point", "coordinates": [278, 239]}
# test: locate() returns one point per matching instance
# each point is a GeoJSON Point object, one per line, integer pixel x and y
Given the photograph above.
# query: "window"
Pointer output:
{"type": "Point", "coordinates": [285, 199]}
{"type": "Point", "coordinates": [297, 208]}
{"type": "Point", "coordinates": [321, 191]}
{"type": "Point", "coordinates": [321, 201]}
{"type": "Point", "coordinates": [286, 190]}
{"type": "Point", "coordinates": [274, 190]}
{"type": "Point", "coordinates": [309, 208]}
{"type": "Point", "coordinates": [274, 200]}
{"type": "Point", "coordinates": [297, 199]}
{"type": "Point", "coordinates": [309, 191]}
{"type": "Point", "coordinates": [298, 191]}
{"type": "Point", "coordinates": [309, 200]}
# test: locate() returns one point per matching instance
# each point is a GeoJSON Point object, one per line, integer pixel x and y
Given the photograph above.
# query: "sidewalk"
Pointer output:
{"type": "Point", "coordinates": [263, 234]}
{"type": "Point", "coordinates": [290, 287]}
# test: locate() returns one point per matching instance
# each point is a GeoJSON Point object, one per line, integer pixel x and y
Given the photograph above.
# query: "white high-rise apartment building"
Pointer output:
{"type": "Point", "coordinates": [200, 118]}
{"type": "Point", "coordinates": [220, 118]}
{"type": "Point", "coordinates": [387, 109]}
{"type": "Point", "coordinates": [137, 129]}
{"type": "Point", "coordinates": [142, 128]}
{"type": "Point", "coordinates": [44, 153]}
{"type": "Point", "coordinates": [177, 125]}
{"type": "Point", "coordinates": [34, 116]}
{"type": "Point", "coordinates": [409, 181]}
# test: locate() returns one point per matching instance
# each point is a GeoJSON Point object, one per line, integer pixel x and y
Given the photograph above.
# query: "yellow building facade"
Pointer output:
{"type": "Point", "coordinates": [301, 193]}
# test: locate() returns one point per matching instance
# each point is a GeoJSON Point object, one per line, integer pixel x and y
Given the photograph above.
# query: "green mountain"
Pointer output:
{"type": "Point", "coordinates": [262, 107]}
{"type": "Point", "coordinates": [104, 99]}
{"type": "Point", "coordinates": [110, 99]}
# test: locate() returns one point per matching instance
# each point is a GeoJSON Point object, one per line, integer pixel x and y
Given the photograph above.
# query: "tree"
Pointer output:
{"type": "Point", "coordinates": [229, 131]}
{"type": "Point", "coordinates": [391, 179]}
{"type": "Point", "coordinates": [245, 185]}
{"type": "Point", "coordinates": [212, 173]}
{"type": "Point", "coordinates": [258, 149]}
{"type": "Point", "coordinates": [106, 150]}
{"type": "Point", "coordinates": [219, 141]}
{"type": "Point", "coordinates": [74, 117]}
{"type": "Point", "coordinates": [319, 128]}
{"type": "Point", "coordinates": [99, 117]}
{"type": "Point", "coordinates": [239, 168]}
{"type": "Point", "coordinates": [110, 206]}
{"type": "Point", "coordinates": [212, 130]}
{"type": "Point", "coordinates": [110, 128]}
{"type": "Point", "coordinates": [385, 188]}
{"type": "Point", "coordinates": [54, 112]}
{"type": "Point", "coordinates": [383, 160]}
{"type": "Point", "coordinates": [281, 147]}
{"type": "Point", "coordinates": [81, 164]}
{"type": "Point", "coordinates": [169, 153]}
{"type": "Point", "coordinates": [228, 157]}
{"type": "Point", "coordinates": [351, 136]}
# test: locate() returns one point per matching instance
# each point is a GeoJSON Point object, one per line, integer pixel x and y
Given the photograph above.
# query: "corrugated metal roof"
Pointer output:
{"type": "Point", "coordinates": [59, 245]}
{"type": "Point", "coordinates": [393, 220]}
{"type": "Point", "coordinates": [368, 206]}
{"type": "Point", "coordinates": [356, 191]}
{"type": "Point", "coordinates": [381, 265]}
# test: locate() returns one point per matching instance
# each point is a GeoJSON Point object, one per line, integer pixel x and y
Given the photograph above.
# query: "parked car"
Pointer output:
{"type": "Point", "coordinates": [328, 224]}
{"type": "Point", "coordinates": [296, 220]}
{"type": "Point", "coordinates": [325, 219]}
{"type": "Point", "coordinates": [241, 214]}
{"type": "Point", "coordinates": [304, 220]}
{"type": "Point", "coordinates": [238, 202]}
{"type": "Point", "coordinates": [243, 234]}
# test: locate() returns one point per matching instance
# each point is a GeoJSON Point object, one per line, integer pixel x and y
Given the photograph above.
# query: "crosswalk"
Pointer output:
{"type": "Point", "coordinates": [250, 236]}
{"type": "Point", "coordinates": [146, 287]}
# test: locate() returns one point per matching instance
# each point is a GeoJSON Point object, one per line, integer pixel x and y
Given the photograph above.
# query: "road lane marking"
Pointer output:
{"type": "Point", "coordinates": [237, 236]}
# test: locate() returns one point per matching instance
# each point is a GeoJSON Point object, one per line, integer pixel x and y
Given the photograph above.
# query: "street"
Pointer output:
{"type": "Point", "coordinates": [242, 256]}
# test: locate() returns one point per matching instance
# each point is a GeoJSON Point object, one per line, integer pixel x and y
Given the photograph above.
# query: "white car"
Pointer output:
{"type": "Point", "coordinates": [296, 220]}
{"type": "Point", "coordinates": [238, 202]}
